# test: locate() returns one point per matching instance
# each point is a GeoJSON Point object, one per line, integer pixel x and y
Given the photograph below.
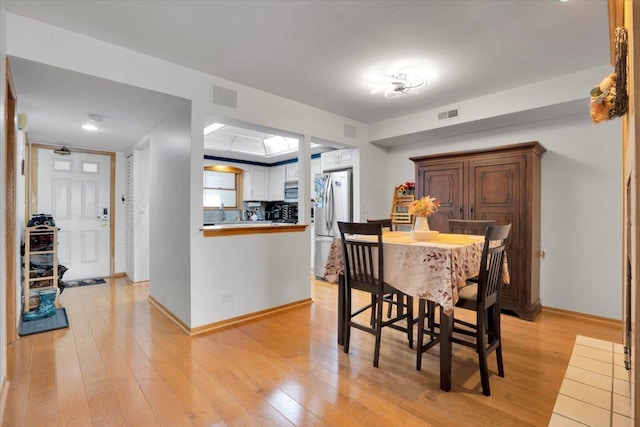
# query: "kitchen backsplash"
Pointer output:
{"type": "Point", "coordinates": [266, 211]}
{"type": "Point", "coordinates": [213, 216]}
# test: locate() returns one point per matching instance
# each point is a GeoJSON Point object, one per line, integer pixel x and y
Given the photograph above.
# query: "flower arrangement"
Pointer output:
{"type": "Point", "coordinates": [603, 99]}
{"type": "Point", "coordinates": [407, 188]}
{"type": "Point", "coordinates": [425, 206]}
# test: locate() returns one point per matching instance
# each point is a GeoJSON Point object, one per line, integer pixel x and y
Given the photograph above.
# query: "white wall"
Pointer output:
{"type": "Point", "coordinates": [141, 191]}
{"type": "Point", "coordinates": [169, 245]}
{"type": "Point", "coordinates": [581, 205]}
{"type": "Point", "coordinates": [259, 270]}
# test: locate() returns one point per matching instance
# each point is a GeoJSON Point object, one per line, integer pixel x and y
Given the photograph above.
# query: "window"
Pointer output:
{"type": "Point", "coordinates": [222, 185]}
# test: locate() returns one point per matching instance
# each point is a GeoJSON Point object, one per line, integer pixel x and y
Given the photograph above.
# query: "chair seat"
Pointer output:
{"type": "Point", "coordinates": [469, 292]}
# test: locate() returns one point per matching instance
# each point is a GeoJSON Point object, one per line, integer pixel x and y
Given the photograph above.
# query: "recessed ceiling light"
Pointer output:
{"type": "Point", "coordinates": [212, 128]}
{"type": "Point", "coordinates": [90, 127]}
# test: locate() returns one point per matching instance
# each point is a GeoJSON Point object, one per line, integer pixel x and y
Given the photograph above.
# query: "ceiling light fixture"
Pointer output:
{"type": "Point", "coordinates": [402, 83]}
{"type": "Point", "coordinates": [406, 76]}
{"type": "Point", "coordinates": [90, 127]}
{"type": "Point", "coordinates": [64, 151]}
{"type": "Point", "coordinates": [212, 128]}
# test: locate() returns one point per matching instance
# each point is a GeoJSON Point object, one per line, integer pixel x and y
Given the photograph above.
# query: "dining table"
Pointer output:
{"type": "Point", "coordinates": [432, 270]}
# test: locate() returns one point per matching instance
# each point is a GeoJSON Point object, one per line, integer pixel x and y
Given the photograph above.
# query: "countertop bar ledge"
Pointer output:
{"type": "Point", "coordinates": [237, 229]}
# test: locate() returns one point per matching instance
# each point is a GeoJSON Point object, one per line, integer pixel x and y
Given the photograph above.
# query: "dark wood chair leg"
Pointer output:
{"type": "Point", "coordinates": [342, 318]}
{"type": "Point", "coordinates": [421, 317]}
{"type": "Point", "coordinates": [431, 310]}
{"type": "Point", "coordinates": [378, 329]}
{"type": "Point", "coordinates": [373, 310]}
{"type": "Point", "coordinates": [390, 306]}
{"type": "Point", "coordinates": [347, 323]}
{"type": "Point", "coordinates": [498, 337]}
{"type": "Point", "coordinates": [481, 348]}
{"type": "Point", "coordinates": [410, 320]}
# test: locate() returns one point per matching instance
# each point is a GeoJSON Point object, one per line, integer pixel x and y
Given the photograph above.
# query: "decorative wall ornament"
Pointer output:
{"type": "Point", "coordinates": [609, 99]}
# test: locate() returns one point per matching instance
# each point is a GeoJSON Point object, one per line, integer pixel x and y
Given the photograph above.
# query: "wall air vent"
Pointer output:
{"type": "Point", "coordinates": [448, 114]}
{"type": "Point", "coordinates": [350, 131]}
{"type": "Point", "coordinates": [223, 96]}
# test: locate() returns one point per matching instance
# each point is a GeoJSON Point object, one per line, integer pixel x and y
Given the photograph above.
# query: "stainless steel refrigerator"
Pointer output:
{"type": "Point", "coordinates": [333, 203]}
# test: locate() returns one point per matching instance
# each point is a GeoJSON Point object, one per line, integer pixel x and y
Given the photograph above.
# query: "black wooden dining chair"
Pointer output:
{"type": "Point", "coordinates": [364, 271]}
{"type": "Point", "coordinates": [484, 298]}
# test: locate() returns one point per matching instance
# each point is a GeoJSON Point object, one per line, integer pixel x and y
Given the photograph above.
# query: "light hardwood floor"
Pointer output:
{"type": "Point", "coordinates": [122, 362]}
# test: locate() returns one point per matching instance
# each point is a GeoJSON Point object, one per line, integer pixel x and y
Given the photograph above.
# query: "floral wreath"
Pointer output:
{"type": "Point", "coordinates": [609, 99]}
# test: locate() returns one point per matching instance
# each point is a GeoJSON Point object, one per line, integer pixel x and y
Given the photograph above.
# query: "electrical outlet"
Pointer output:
{"type": "Point", "coordinates": [227, 296]}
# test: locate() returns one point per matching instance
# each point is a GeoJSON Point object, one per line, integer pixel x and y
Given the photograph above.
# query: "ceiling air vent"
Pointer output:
{"type": "Point", "coordinates": [448, 114]}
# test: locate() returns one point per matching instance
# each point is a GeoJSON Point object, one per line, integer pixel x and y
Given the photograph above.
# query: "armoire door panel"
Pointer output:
{"type": "Point", "coordinates": [444, 182]}
{"type": "Point", "coordinates": [496, 195]}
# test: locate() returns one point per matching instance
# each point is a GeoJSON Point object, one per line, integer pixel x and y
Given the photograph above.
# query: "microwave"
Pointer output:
{"type": "Point", "coordinates": [291, 191]}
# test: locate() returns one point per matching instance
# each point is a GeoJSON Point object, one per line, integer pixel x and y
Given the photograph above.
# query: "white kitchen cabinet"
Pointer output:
{"type": "Point", "coordinates": [316, 168]}
{"type": "Point", "coordinates": [276, 183]}
{"type": "Point", "coordinates": [337, 159]}
{"type": "Point", "coordinates": [292, 171]}
{"type": "Point", "coordinates": [256, 183]}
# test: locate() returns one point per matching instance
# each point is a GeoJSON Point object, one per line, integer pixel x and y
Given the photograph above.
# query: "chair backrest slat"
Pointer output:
{"type": "Point", "coordinates": [386, 222]}
{"type": "Point", "coordinates": [477, 227]}
{"type": "Point", "coordinates": [492, 263]}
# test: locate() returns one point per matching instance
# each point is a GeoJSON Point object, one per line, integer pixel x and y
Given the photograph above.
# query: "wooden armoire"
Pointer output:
{"type": "Point", "coordinates": [502, 184]}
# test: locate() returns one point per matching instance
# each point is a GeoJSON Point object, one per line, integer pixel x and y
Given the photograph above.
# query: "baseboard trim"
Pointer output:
{"type": "Point", "coordinates": [228, 322]}
{"type": "Point", "coordinates": [119, 275]}
{"type": "Point", "coordinates": [140, 283]}
{"type": "Point", "coordinates": [583, 316]}
{"type": "Point", "coordinates": [248, 317]}
{"type": "Point", "coordinates": [169, 314]}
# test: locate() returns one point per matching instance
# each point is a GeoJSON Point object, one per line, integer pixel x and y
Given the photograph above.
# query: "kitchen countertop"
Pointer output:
{"type": "Point", "coordinates": [230, 228]}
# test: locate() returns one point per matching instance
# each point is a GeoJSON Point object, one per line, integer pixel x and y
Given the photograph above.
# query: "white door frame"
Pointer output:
{"type": "Point", "coordinates": [33, 191]}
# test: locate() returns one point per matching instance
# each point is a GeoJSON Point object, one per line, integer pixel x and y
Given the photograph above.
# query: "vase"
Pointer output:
{"type": "Point", "coordinates": [421, 230]}
{"type": "Point", "coordinates": [421, 224]}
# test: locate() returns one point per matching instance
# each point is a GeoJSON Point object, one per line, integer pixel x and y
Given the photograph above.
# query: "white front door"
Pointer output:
{"type": "Point", "coordinates": [75, 190]}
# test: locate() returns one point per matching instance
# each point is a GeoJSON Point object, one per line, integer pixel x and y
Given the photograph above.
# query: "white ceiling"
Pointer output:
{"type": "Point", "coordinates": [58, 102]}
{"type": "Point", "coordinates": [317, 52]}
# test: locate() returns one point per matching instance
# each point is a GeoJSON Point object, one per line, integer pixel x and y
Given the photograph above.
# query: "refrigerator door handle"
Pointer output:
{"type": "Point", "coordinates": [330, 205]}
{"type": "Point", "coordinates": [327, 202]}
